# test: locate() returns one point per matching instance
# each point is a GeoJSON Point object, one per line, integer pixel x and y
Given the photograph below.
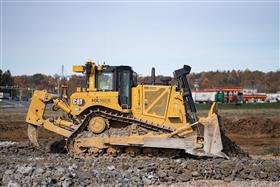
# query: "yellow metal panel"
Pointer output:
{"type": "Point", "coordinates": [91, 81]}
{"type": "Point", "coordinates": [99, 68]}
{"type": "Point", "coordinates": [176, 106]}
{"type": "Point", "coordinates": [36, 108]}
{"type": "Point", "coordinates": [78, 69]}
{"type": "Point", "coordinates": [176, 110]}
{"type": "Point", "coordinates": [136, 100]}
{"type": "Point", "coordinates": [155, 100]}
{"type": "Point", "coordinates": [91, 99]}
{"type": "Point", "coordinates": [174, 116]}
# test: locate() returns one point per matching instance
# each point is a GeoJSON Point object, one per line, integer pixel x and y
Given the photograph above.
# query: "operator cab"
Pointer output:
{"type": "Point", "coordinates": [117, 78]}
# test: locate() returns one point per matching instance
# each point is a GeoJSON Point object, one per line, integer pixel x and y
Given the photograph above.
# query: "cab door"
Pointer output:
{"type": "Point", "coordinates": [124, 88]}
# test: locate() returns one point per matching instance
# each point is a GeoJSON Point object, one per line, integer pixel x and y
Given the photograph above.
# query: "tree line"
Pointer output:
{"type": "Point", "coordinates": [265, 82]}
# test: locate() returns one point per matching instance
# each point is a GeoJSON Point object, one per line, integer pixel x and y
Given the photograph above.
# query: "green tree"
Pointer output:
{"type": "Point", "coordinates": [1, 77]}
{"type": "Point", "coordinates": [6, 78]}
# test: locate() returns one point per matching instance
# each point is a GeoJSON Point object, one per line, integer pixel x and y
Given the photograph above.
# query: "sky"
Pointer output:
{"type": "Point", "coordinates": [40, 36]}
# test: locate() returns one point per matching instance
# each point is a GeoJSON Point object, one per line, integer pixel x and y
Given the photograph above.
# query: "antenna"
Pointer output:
{"type": "Point", "coordinates": [60, 78]}
{"type": "Point", "coordinates": [62, 71]}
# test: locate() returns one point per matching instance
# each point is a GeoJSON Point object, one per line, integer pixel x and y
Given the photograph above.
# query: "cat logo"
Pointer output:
{"type": "Point", "coordinates": [78, 101]}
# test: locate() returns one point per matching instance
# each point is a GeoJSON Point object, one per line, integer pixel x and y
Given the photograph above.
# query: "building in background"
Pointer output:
{"type": "Point", "coordinates": [236, 95]}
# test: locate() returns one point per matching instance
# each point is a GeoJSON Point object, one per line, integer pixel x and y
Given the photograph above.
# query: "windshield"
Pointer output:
{"type": "Point", "coordinates": [105, 81]}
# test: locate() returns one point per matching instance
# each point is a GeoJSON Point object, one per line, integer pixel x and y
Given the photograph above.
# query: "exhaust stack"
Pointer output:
{"type": "Point", "coordinates": [153, 76]}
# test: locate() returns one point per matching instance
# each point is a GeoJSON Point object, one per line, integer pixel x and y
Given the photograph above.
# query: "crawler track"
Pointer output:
{"type": "Point", "coordinates": [82, 132]}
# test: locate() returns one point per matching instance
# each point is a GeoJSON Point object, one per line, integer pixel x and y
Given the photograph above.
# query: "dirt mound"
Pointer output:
{"type": "Point", "coordinates": [252, 126]}
{"type": "Point", "coordinates": [13, 126]}
{"type": "Point", "coordinates": [230, 148]}
{"type": "Point", "coordinates": [17, 131]}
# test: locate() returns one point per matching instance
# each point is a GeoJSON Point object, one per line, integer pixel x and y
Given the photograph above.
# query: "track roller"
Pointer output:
{"type": "Point", "coordinates": [77, 148]}
{"type": "Point", "coordinates": [150, 152]}
{"type": "Point", "coordinates": [132, 151]}
{"type": "Point", "coordinates": [170, 152]}
{"type": "Point", "coordinates": [114, 151]}
{"type": "Point", "coordinates": [95, 151]}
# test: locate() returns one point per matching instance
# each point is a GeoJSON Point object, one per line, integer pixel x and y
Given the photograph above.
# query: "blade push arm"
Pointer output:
{"type": "Point", "coordinates": [181, 76]}
{"type": "Point", "coordinates": [35, 115]}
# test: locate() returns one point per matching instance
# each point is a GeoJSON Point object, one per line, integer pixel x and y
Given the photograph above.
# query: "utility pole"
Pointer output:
{"type": "Point", "coordinates": [58, 85]}
{"type": "Point", "coordinates": [62, 71]}
{"type": "Point", "coordinates": [196, 84]}
{"type": "Point", "coordinates": [60, 78]}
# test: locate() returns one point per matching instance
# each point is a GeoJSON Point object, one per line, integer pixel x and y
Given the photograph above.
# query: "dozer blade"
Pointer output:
{"type": "Point", "coordinates": [212, 136]}
{"type": "Point", "coordinates": [32, 132]}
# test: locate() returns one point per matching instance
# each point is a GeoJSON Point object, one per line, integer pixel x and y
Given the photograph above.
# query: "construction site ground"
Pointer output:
{"type": "Point", "coordinates": [257, 132]}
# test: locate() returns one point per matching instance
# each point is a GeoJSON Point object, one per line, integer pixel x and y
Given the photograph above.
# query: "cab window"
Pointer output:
{"type": "Point", "coordinates": [105, 81]}
{"type": "Point", "coordinates": [124, 87]}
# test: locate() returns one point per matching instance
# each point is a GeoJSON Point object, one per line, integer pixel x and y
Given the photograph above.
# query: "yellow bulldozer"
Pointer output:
{"type": "Point", "coordinates": [114, 115]}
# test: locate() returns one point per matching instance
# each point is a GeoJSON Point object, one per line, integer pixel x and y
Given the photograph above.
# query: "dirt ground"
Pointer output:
{"type": "Point", "coordinates": [255, 131]}
{"type": "Point", "coordinates": [14, 128]}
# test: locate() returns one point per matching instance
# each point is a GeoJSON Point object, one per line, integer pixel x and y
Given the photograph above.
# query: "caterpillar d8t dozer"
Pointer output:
{"type": "Point", "coordinates": [114, 115]}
